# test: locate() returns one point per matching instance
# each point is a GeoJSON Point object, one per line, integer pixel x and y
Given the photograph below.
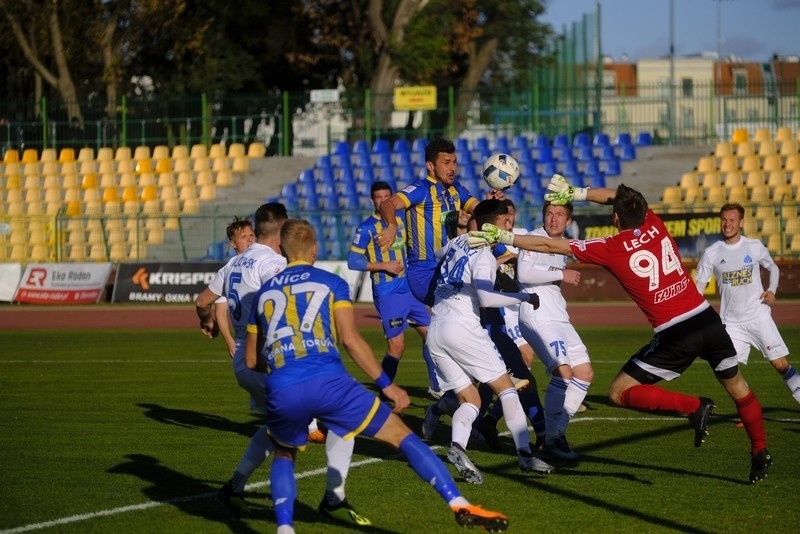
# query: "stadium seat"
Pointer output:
{"type": "Point", "coordinates": [745, 149]}
{"type": "Point", "coordinates": [717, 195]}
{"type": "Point", "coordinates": [724, 149]}
{"type": "Point", "coordinates": [751, 163]}
{"type": "Point", "coordinates": [689, 180]}
{"type": "Point", "coordinates": [29, 155]}
{"type": "Point", "coordinates": [767, 148]}
{"type": "Point", "coordinates": [561, 141]}
{"type": "Point", "coordinates": [740, 135]}
{"type": "Point", "coordinates": [733, 179]}
{"type": "Point", "coordinates": [772, 163]}
{"type": "Point", "coordinates": [706, 164]}
{"type": "Point", "coordinates": [602, 139]}
{"type": "Point", "coordinates": [784, 133]}
{"type": "Point", "coordinates": [762, 135]}
{"type": "Point", "coordinates": [788, 148]}
{"type": "Point", "coordinates": [627, 153]}
{"type": "Point", "coordinates": [711, 179]}
{"type": "Point", "coordinates": [754, 178]}
{"type": "Point", "coordinates": [11, 156]}
{"type": "Point", "coordinates": [760, 193]}
{"type": "Point", "coordinates": [644, 139]}
{"type": "Point", "coordinates": [180, 152]}
{"type": "Point", "coordinates": [585, 153]}
{"type": "Point", "coordinates": [729, 164]}
{"type": "Point", "coordinates": [198, 151]}
{"type": "Point", "coordinates": [581, 139]}
{"type": "Point", "coordinates": [738, 194]}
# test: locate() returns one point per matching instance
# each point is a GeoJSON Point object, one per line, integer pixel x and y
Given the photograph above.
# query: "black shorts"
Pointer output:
{"type": "Point", "coordinates": [673, 350]}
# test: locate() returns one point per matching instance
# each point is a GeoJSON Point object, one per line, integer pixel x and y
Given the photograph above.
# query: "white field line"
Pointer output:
{"type": "Point", "coordinates": [256, 485]}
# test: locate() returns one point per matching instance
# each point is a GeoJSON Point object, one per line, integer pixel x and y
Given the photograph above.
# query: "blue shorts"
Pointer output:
{"type": "Point", "coordinates": [342, 404]}
{"type": "Point", "coordinates": [398, 310]}
{"type": "Point", "coordinates": [421, 276]}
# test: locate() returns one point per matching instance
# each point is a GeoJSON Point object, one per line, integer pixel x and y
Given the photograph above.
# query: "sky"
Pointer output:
{"type": "Point", "coordinates": [752, 30]}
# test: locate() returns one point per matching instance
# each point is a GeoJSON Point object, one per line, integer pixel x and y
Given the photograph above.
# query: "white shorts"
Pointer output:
{"type": "Point", "coordinates": [511, 317]}
{"type": "Point", "coordinates": [555, 343]}
{"type": "Point", "coordinates": [249, 380]}
{"type": "Point", "coordinates": [463, 352]}
{"type": "Point", "coordinates": [762, 334]}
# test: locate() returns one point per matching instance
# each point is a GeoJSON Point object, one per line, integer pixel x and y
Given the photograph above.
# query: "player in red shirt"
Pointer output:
{"type": "Point", "coordinates": [644, 258]}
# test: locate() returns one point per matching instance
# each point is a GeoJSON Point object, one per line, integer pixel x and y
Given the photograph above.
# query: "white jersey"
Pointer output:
{"type": "Point", "coordinates": [456, 297]}
{"type": "Point", "coordinates": [550, 267]}
{"type": "Point", "coordinates": [239, 281]}
{"type": "Point", "coordinates": [738, 278]}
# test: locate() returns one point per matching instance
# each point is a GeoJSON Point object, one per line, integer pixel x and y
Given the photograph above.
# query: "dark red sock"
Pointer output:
{"type": "Point", "coordinates": [750, 412]}
{"type": "Point", "coordinates": [653, 398]}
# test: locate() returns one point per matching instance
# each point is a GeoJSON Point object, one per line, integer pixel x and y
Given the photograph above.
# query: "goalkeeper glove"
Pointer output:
{"type": "Point", "coordinates": [562, 192]}
{"type": "Point", "coordinates": [489, 235]}
{"type": "Point", "coordinates": [533, 300]}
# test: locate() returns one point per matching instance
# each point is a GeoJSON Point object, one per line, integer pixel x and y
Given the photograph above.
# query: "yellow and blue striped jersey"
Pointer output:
{"type": "Point", "coordinates": [432, 215]}
{"type": "Point", "coordinates": [294, 310]}
{"type": "Point", "coordinates": [364, 244]}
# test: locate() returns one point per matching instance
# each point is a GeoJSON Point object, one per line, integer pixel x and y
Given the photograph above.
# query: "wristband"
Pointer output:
{"type": "Point", "coordinates": [383, 381]}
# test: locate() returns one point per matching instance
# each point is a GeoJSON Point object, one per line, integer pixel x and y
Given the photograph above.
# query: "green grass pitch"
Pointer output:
{"type": "Point", "coordinates": [134, 431]}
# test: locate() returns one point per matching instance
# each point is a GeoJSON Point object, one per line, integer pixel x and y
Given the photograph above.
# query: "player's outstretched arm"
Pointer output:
{"type": "Point", "coordinates": [204, 306]}
{"type": "Point", "coordinates": [388, 211]}
{"type": "Point", "coordinates": [224, 325]}
{"type": "Point", "coordinates": [361, 353]}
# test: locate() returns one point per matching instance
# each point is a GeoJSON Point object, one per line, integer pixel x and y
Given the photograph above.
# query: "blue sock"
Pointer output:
{"type": "Point", "coordinates": [429, 467]}
{"type": "Point", "coordinates": [389, 365]}
{"type": "Point", "coordinates": [284, 490]}
{"type": "Point", "coordinates": [431, 369]}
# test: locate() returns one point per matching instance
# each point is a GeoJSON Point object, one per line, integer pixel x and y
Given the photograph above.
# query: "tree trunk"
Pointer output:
{"type": "Point", "coordinates": [110, 71]}
{"type": "Point", "coordinates": [478, 64]}
{"type": "Point", "coordinates": [65, 84]}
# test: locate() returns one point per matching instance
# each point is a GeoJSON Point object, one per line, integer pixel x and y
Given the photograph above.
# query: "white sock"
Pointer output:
{"type": "Point", "coordinates": [462, 423]}
{"type": "Point", "coordinates": [792, 379]}
{"type": "Point", "coordinates": [257, 451]}
{"type": "Point", "coordinates": [312, 426]}
{"type": "Point", "coordinates": [515, 418]}
{"type": "Point", "coordinates": [339, 452]}
{"type": "Point", "coordinates": [554, 396]}
{"type": "Point", "coordinates": [576, 392]}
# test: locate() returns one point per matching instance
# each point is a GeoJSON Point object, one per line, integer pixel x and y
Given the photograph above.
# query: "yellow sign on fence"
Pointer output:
{"type": "Point", "coordinates": [415, 98]}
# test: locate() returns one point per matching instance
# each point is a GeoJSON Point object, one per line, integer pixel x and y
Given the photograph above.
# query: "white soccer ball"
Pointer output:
{"type": "Point", "coordinates": [500, 171]}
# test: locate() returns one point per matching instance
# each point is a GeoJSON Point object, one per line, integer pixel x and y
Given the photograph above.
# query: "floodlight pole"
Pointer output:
{"type": "Point", "coordinates": [672, 71]}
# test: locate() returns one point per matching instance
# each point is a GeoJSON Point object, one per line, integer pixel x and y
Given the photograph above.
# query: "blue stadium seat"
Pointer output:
{"type": "Point", "coordinates": [401, 146]}
{"type": "Point", "coordinates": [345, 175]}
{"type": "Point", "coordinates": [586, 153]}
{"type": "Point", "coordinates": [403, 159]}
{"type": "Point", "coordinates": [545, 153]}
{"type": "Point", "coordinates": [623, 138]}
{"type": "Point", "coordinates": [608, 153]}
{"type": "Point", "coordinates": [548, 169]}
{"type": "Point", "coordinates": [324, 162]}
{"type": "Point", "coordinates": [341, 154]}
{"type": "Point", "coordinates": [289, 191]}
{"type": "Point", "coordinates": [482, 144]}
{"type": "Point", "coordinates": [307, 176]}
{"type": "Point", "coordinates": [570, 168]}
{"type": "Point", "coordinates": [366, 174]}
{"type": "Point", "coordinates": [380, 146]}
{"type": "Point", "coordinates": [565, 154]}
{"type": "Point", "coordinates": [591, 166]}
{"type": "Point", "coordinates": [407, 176]}
{"type": "Point", "coordinates": [581, 139]}
{"type": "Point", "coordinates": [644, 139]}
{"type": "Point", "coordinates": [501, 145]}
{"type": "Point", "coordinates": [419, 145]}
{"type": "Point", "coordinates": [361, 159]}
{"type": "Point", "coordinates": [521, 143]}
{"type": "Point", "coordinates": [524, 156]}
{"type": "Point", "coordinates": [561, 141]}
{"type": "Point", "coordinates": [348, 188]}
{"type": "Point", "coordinates": [464, 157]}
{"type": "Point", "coordinates": [613, 167]}
{"type": "Point", "coordinates": [627, 153]}
{"type": "Point", "coordinates": [349, 200]}
{"type": "Point", "coordinates": [382, 159]}
{"type": "Point", "coordinates": [601, 139]}
{"type": "Point", "coordinates": [330, 201]}
{"type": "Point", "coordinates": [597, 180]}
{"type": "Point", "coordinates": [360, 147]}
{"type": "Point", "coordinates": [541, 142]}
{"type": "Point", "coordinates": [461, 144]}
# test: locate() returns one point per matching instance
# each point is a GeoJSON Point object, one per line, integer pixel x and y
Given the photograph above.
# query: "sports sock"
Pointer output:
{"type": "Point", "coordinates": [447, 405]}
{"type": "Point", "coordinates": [653, 398]}
{"type": "Point", "coordinates": [257, 451]}
{"type": "Point", "coordinates": [312, 426]}
{"type": "Point", "coordinates": [462, 423]}
{"type": "Point", "coordinates": [284, 490]}
{"type": "Point", "coordinates": [792, 379]}
{"type": "Point", "coordinates": [432, 380]}
{"type": "Point", "coordinates": [515, 418]}
{"type": "Point", "coordinates": [529, 398]}
{"type": "Point", "coordinates": [750, 413]}
{"type": "Point", "coordinates": [339, 453]}
{"type": "Point", "coordinates": [429, 468]}
{"type": "Point", "coordinates": [554, 405]}
{"type": "Point", "coordinates": [576, 392]}
{"type": "Point", "coordinates": [389, 365]}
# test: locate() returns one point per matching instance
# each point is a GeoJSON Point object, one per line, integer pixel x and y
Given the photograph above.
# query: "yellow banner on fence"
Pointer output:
{"type": "Point", "coordinates": [415, 98]}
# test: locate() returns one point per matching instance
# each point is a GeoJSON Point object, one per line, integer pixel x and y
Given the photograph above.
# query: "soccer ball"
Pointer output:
{"type": "Point", "coordinates": [500, 171]}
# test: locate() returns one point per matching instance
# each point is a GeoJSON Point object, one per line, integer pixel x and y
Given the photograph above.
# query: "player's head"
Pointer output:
{"type": "Point", "coordinates": [379, 191]}
{"type": "Point", "coordinates": [512, 209]}
{"type": "Point", "coordinates": [269, 219]}
{"type": "Point", "coordinates": [731, 220]}
{"type": "Point", "coordinates": [440, 160]}
{"type": "Point", "coordinates": [240, 234]}
{"type": "Point", "coordinates": [630, 208]}
{"type": "Point", "coordinates": [298, 240]}
{"type": "Point", "coordinates": [556, 218]}
{"type": "Point", "coordinates": [492, 211]}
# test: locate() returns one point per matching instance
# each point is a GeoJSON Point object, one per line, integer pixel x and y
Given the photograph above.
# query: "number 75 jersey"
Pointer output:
{"type": "Point", "coordinates": [647, 264]}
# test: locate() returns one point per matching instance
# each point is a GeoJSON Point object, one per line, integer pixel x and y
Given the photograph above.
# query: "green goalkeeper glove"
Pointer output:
{"type": "Point", "coordinates": [562, 192]}
{"type": "Point", "coordinates": [489, 234]}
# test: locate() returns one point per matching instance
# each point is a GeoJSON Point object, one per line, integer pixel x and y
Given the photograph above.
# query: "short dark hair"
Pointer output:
{"type": "Point", "coordinates": [487, 211]}
{"type": "Point", "coordinates": [630, 206]}
{"type": "Point", "coordinates": [733, 206]}
{"type": "Point", "coordinates": [437, 145]}
{"type": "Point", "coordinates": [238, 223]}
{"type": "Point", "coordinates": [568, 206]}
{"type": "Point", "coordinates": [269, 218]}
{"type": "Point", "coordinates": [379, 186]}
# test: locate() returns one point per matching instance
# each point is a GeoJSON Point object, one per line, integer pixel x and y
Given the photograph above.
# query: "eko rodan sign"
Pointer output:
{"type": "Point", "coordinates": [62, 283]}
{"type": "Point", "coordinates": [163, 282]}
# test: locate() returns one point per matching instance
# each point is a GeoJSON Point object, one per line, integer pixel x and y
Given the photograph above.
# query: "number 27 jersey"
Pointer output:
{"type": "Point", "coordinates": [647, 264]}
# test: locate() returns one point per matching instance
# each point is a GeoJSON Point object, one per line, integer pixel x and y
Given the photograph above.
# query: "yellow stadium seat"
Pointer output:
{"type": "Point", "coordinates": [240, 164]}
{"type": "Point", "coordinates": [792, 163]}
{"type": "Point", "coordinates": [792, 226]}
{"type": "Point", "coordinates": [156, 235]}
{"type": "Point", "coordinates": [125, 166]}
{"type": "Point", "coordinates": [198, 151]}
{"type": "Point", "coordinates": [201, 164]}
{"type": "Point", "coordinates": [163, 165]}
{"type": "Point", "coordinates": [146, 179]}
{"type": "Point", "coordinates": [788, 148]}
{"type": "Point", "coordinates": [130, 207]}
{"type": "Point", "coordinates": [772, 163]}
{"type": "Point", "coordinates": [256, 150]}
{"type": "Point", "coordinates": [759, 193]}
{"type": "Point", "coordinates": [149, 193]}
{"type": "Point", "coordinates": [11, 156]}
{"type": "Point", "coordinates": [754, 178]}
{"type": "Point", "coordinates": [89, 181]}
{"type": "Point", "coordinates": [745, 149]}
{"type": "Point", "coordinates": [127, 179]}
{"type": "Point", "coordinates": [764, 212]}
{"type": "Point", "coordinates": [105, 154]}
{"type": "Point", "coordinates": [111, 194]}
{"type": "Point", "coordinates": [188, 192]}
{"type": "Point", "coordinates": [15, 207]}
{"type": "Point", "coordinates": [738, 194]}
{"type": "Point", "coordinates": [91, 195]}
{"type": "Point", "coordinates": [740, 135]}
{"type": "Point", "coordinates": [784, 133]}
{"type": "Point", "coordinates": [34, 208]}
{"type": "Point", "coordinates": [72, 194]}
{"type": "Point", "coordinates": [168, 192]}
{"type": "Point", "coordinates": [118, 252]}
{"type": "Point", "coordinates": [761, 135]}
{"type": "Point", "coordinates": [69, 167]}
{"type": "Point", "coordinates": [184, 179]}
{"type": "Point", "coordinates": [775, 244]}
{"type": "Point", "coordinates": [729, 164]}
{"type": "Point", "coordinates": [74, 208]}
{"type": "Point", "coordinates": [49, 168]}
{"type": "Point", "coordinates": [672, 195]}
{"type": "Point", "coordinates": [32, 182]}
{"type": "Point", "coordinates": [108, 180]}
{"type": "Point", "coordinates": [97, 252]}
{"type": "Point", "coordinates": [160, 152]}
{"type": "Point", "coordinates": [694, 196]}
{"type": "Point", "coordinates": [13, 182]}
{"type": "Point", "coordinates": [70, 180]}
{"type": "Point", "coordinates": [93, 207]}
{"type": "Point", "coordinates": [29, 155]}
{"type": "Point", "coordinates": [191, 205]}
{"type": "Point", "coordinates": [12, 169]}
{"type": "Point", "coordinates": [767, 148]}
{"type": "Point", "coordinates": [86, 167]}
{"type": "Point", "coordinates": [751, 163]}
{"type": "Point", "coordinates": [166, 179]}
{"type": "Point", "coordinates": [29, 169]}
{"type": "Point", "coordinates": [775, 178]}
{"type": "Point", "coordinates": [204, 178]}
{"type": "Point", "coordinates": [106, 166]}
{"type": "Point", "coordinates": [181, 165]}
{"type": "Point", "coordinates": [236, 150]}
{"type": "Point", "coordinates": [151, 207]}
{"type": "Point", "coordinates": [130, 193]}
{"type": "Point", "coordinates": [706, 164]}
{"type": "Point", "coordinates": [224, 178]}
{"type": "Point", "coordinates": [48, 154]}
{"type": "Point", "coordinates": [219, 164]}
{"type": "Point", "coordinates": [33, 195]}
{"type": "Point", "coordinates": [77, 252]}
{"type": "Point", "coordinates": [123, 153]}
{"type": "Point", "coordinates": [112, 207]}
{"type": "Point", "coordinates": [781, 192]}
{"type": "Point", "coordinates": [180, 152]}
{"type": "Point", "coordinates": [208, 192]}
{"type": "Point", "coordinates": [86, 154]}
{"type": "Point", "coordinates": [723, 150]}
{"type": "Point", "coordinates": [66, 155]}
{"type": "Point", "coordinates": [52, 194]}
{"type": "Point", "coordinates": [171, 207]}
{"type": "Point", "coordinates": [141, 152]}
{"type": "Point", "coordinates": [711, 179]}
{"type": "Point", "coordinates": [143, 166]}
{"type": "Point", "coordinates": [216, 151]}
{"type": "Point", "coordinates": [795, 179]}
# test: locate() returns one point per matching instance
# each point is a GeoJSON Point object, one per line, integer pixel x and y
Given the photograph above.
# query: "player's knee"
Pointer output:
{"type": "Point", "coordinates": [781, 365]}
{"type": "Point", "coordinates": [615, 395]}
